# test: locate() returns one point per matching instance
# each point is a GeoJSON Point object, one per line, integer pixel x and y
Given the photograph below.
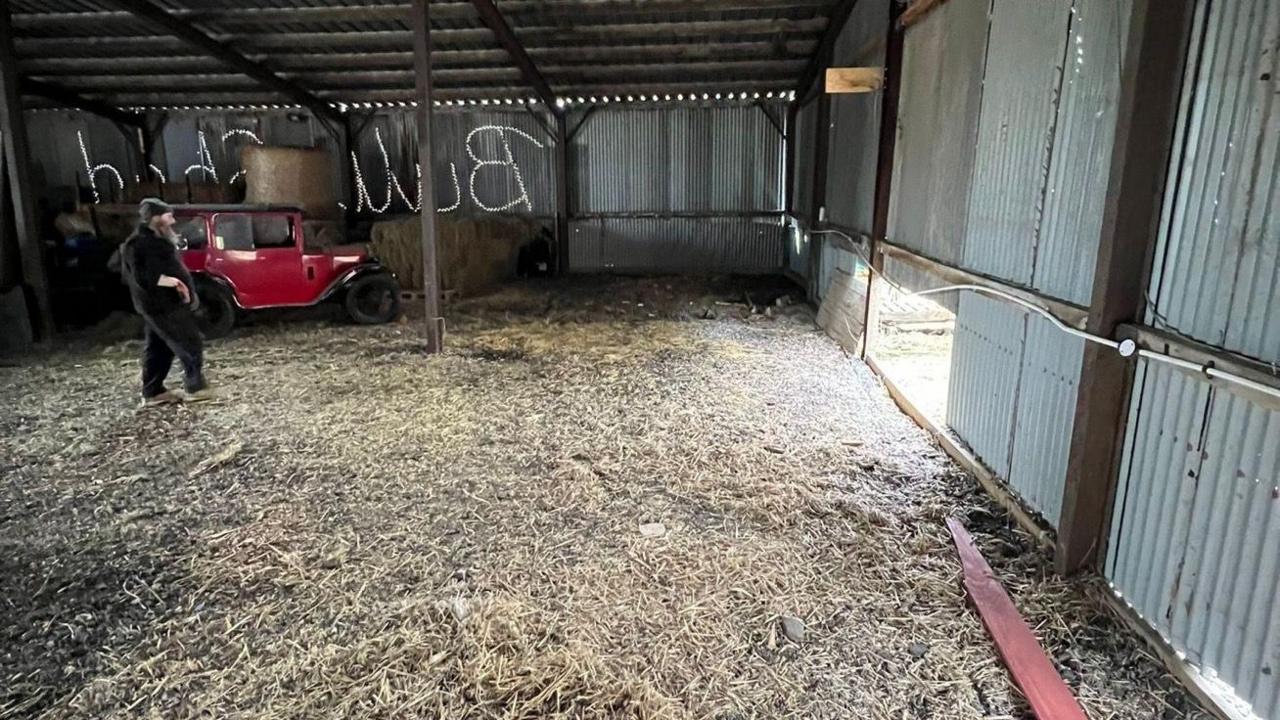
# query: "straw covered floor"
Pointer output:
{"type": "Point", "coordinates": [608, 499]}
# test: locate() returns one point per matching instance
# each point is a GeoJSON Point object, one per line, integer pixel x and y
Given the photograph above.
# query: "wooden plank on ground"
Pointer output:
{"type": "Point", "coordinates": [854, 79]}
{"type": "Point", "coordinates": [1032, 670]}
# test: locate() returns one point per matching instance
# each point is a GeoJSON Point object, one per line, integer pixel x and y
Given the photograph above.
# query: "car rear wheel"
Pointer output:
{"type": "Point", "coordinates": [373, 299]}
{"type": "Point", "coordinates": [216, 314]}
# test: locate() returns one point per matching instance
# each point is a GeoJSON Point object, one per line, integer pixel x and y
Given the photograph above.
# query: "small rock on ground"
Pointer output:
{"type": "Point", "coordinates": [793, 628]}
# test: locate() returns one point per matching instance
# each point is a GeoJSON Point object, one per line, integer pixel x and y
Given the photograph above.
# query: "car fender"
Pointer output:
{"type": "Point", "coordinates": [344, 280]}
{"type": "Point", "coordinates": [220, 281]}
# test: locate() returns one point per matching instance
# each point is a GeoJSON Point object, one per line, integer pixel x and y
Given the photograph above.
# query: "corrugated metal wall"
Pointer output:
{"type": "Point", "coordinates": [1012, 395]}
{"type": "Point", "coordinates": [714, 245]}
{"type": "Point", "coordinates": [943, 61]}
{"type": "Point", "coordinates": [1003, 144]}
{"type": "Point", "coordinates": [700, 160]}
{"type": "Point", "coordinates": [855, 122]}
{"type": "Point", "coordinates": [1015, 133]}
{"type": "Point", "coordinates": [1195, 537]}
{"type": "Point", "coordinates": [980, 134]}
{"type": "Point", "coordinates": [678, 159]}
{"type": "Point", "coordinates": [1048, 386]}
{"type": "Point", "coordinates": [986, 362]}
{"type": "Point", "coordinates": [1085, 130]}
{"type": "Point", "coordinates": [1195, 534]}
{"type": "Point", "coordinates": [56, 160]}
{"type": "Point", "coordinates": [1217, 278]}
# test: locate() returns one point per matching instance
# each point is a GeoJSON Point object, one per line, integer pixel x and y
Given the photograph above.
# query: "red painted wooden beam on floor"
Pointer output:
{"type": "Point", "coordinates": [1032, 671]}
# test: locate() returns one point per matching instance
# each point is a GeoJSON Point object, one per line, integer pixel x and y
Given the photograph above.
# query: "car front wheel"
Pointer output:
{"type": "Point", "coordinates": [373, 299]}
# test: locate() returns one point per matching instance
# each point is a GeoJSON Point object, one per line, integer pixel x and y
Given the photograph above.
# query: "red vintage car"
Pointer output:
{"type": "Point", "coordinates": [250, 257]}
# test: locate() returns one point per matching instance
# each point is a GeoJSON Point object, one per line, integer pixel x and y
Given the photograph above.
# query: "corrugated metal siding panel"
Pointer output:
{"type": "Point", "coordinates": [677, 245]}
{"type": "Point", "coordinates": [678, 159]}
{"type": "Point", "coordinates": [55, 155]}
{"type": "Point", "coordinates": [1045, 416]}
{"type": "Point", "coordinates": [834, 259]}
{"type": "Point", "coordinates": [1195, 542]}
{"type": "Point", "coordinates": [806, 140]}
{"type": "Point", "coordinates": [799, 244]}
{"type": "Point", "coordinates": [855, 119]}
{"type": "Point", "coordinates": [937, 129]}
{"type": "Point", "coordinates": [1218, 274]}
{"type": "Point", "coordinates": [1079, 169]}
{"type": "Point", "coordinates": [1015, 130]}
{"type": "Point", "coordinates": [986, 364]}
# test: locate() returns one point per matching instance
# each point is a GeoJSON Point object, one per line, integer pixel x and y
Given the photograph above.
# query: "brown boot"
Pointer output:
{"type": "Point", "coordinates": [202, 395]}
{"type": "Point", "coordinates": [168, 397]}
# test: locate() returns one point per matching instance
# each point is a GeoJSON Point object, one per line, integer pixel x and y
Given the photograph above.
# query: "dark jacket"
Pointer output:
{"type": "Point", "coordinates": [144, 257]}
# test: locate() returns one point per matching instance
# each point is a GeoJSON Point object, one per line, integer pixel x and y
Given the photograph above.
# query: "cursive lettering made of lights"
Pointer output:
{"type": "Point", "coordinates": [363, 197]}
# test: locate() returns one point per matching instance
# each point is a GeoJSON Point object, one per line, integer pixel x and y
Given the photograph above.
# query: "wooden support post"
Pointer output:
{"type": "Point", "coordinates": [14, 129]}
{"type": "Point", "coordinates": [789, 171]}
{"type": "Point", "coordinates": [1150, 83]}
{"type": "Point", "coordinates": [896, 40]}
{"type": "Point", "coordinates": [346, 173]}
{"type": "Point", "coordinates": [430, 268]}
{"type": "Point", "coordinates": [563, 189]}
{"type": "Point", "coordinates": [818, 190]}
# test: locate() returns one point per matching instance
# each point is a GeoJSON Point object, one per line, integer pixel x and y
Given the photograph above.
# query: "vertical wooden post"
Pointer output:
{"type": "Point", "coordinates": [10, 273]}
{"type": "Point", "coordinates": [896, 40]}
{"type": "Point", "coordinates": [430, 268]}
{"type": "Point", "coordinates": [563, 190]}
{"type": "Point", "coordinates": [1150, 84]}
{"type": "Point", "coordinates": [818, 196]}
{"type": "Point", "coordinates": [789, 169]}
{"type": "Point", "coordinates": [14, 129]}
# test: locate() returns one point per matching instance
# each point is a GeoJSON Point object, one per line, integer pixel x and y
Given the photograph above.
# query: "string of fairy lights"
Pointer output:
{"type": "Point", "coordinates": [364, 198]}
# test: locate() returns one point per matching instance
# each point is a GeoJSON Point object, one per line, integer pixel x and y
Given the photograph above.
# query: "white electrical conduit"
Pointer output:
{"type": "Point", "coordinates": [1126, 348]}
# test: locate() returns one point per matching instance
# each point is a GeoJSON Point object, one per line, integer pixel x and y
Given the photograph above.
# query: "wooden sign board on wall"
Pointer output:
{"type": "Point", "coordinates": [854, 79]}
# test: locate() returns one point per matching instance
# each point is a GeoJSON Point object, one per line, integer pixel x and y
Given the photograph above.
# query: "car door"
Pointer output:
{"type": "Point", "coordinates": [259, 253]}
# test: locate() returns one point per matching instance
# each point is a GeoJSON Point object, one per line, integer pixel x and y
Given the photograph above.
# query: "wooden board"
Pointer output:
{"type": "Point", "coordinates": [854, 79]}
{"type": "Point", "coordinates": [1032, 670]}
{"type": "Point", "coordinates": [843, 309]}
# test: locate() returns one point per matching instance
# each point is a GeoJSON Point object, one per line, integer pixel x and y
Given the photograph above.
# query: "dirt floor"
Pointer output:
{"type": "Point", "coordinates": [609, 499]}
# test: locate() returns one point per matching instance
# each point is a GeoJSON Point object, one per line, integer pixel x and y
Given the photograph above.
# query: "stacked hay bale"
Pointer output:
{"type": "Point", "coordinates": [474, 254]}
{"type": "Point", "coordinates": [291, 176]}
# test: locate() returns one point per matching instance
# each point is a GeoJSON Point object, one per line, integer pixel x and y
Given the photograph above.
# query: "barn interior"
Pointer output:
{"type": "Point", "coordinates": [727, 336]}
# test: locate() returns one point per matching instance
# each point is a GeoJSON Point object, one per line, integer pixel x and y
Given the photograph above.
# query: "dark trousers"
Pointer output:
{"type": "Point", "coordinates": [168, 336]}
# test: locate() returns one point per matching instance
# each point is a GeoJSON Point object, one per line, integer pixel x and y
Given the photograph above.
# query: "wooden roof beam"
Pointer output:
{"type": "Point", "coordinates": [492, 17]}
{"type": "Point", "coordinates": [69, 98]}
{"type": "Point", "coordinates": [188, 33]}
{"type": "Point", "coordinates": [464, 10]}
{"type": "Point", "coordinates": [822, 55]}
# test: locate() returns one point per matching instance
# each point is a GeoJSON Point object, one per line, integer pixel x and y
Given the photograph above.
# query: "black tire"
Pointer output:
{"type": "Point", "coordinates": [373, 299]}
{"type": "Point", "coordinates": [216, 314]}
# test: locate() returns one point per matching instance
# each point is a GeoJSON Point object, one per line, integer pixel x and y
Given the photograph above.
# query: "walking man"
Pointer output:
{"type": "Point", "coordinates": [165, 297]}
